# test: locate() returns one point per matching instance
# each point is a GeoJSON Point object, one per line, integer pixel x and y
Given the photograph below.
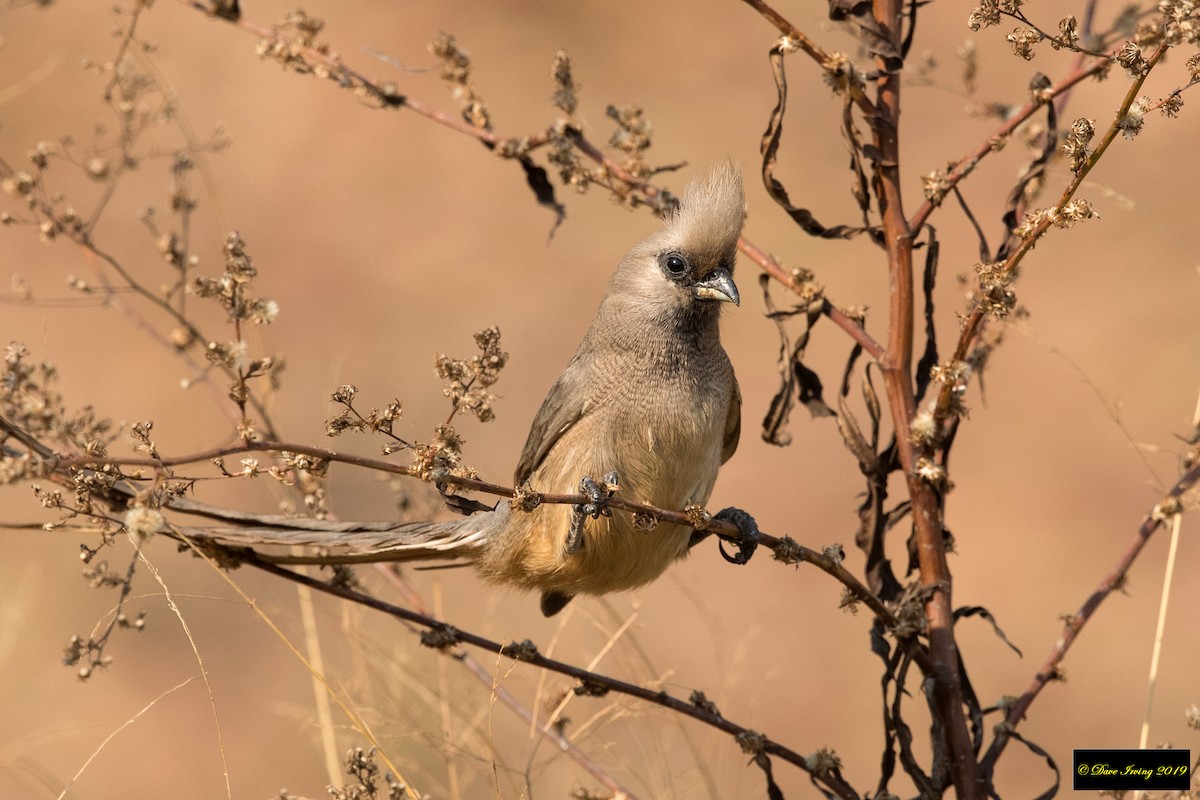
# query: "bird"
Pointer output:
{"type": "Point", "coordinates": [649, 400]}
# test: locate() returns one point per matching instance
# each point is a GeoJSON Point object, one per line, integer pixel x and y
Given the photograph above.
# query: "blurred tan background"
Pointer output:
{"type": "Point", "coordinates": [386, 240]}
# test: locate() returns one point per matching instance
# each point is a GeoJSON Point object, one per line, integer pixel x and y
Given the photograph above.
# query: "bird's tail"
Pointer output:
{"type": "Point", "coordinates": [351, 542]}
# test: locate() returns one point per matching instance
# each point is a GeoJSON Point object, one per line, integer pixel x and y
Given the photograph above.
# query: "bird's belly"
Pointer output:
{"type": "Point", "coordinates": [658, 461]}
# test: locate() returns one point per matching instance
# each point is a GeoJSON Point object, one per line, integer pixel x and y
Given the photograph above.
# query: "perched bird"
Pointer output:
{"type": "Point", "coordinates": [649, 395]}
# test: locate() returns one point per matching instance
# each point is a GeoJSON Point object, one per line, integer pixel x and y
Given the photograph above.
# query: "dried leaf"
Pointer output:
{"type": "Point", "coordinates": [1015, 207]}
{"type": "Point", "coordinates": [769, 149]}
{"type": "Point", "coordinates": [797, 382]}
{"type": "Point", "coordinates": [929, 358]}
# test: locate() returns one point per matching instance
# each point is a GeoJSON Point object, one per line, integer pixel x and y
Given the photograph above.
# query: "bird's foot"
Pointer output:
{"type": "Point", "coordinates": [746, 543]}
{"type": "Point", "coordinates": [596, 506]}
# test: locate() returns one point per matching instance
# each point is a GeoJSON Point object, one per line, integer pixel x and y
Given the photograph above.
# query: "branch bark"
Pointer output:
{"type": "Point", "coordinates": [945, 690]}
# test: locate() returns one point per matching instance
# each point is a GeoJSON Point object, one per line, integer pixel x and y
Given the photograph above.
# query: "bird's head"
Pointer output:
{"type": "Point", "coordinates": [685, 270]}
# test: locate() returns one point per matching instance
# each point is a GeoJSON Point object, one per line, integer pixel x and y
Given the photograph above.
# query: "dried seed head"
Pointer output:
{"type": "Point", "coordinates": [1023, 41]}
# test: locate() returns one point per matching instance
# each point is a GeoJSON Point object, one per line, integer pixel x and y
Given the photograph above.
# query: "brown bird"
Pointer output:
{"type": "Point", "coordinates": [649, 395]}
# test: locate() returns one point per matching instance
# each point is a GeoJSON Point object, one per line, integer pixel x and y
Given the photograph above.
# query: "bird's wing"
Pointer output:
{"type": "Point", "coordinates": [567, 403]}
{"type": "Point", "coordinates": [733, 423]}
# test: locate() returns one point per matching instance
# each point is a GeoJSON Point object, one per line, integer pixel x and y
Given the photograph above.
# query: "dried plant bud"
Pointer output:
{"type": "Point", "coordinates": [1068, 34]}
{"type": "Point", "coordinates": [564, 84]}
{"type": "Point", "coordinates": [934, 474]}
{"type": "Point", "coordinates": [1172, 105]}
{"type": "Point", "coordinates": [1075, 147]}
{"type": "Point", "coordinates": [1073, 211]}
{"type": "Point", "coordinates": [20, 184]}
{"type": "Point", "coordinates": [994, 293]}
{"type": "Point", "coordinates": [263, 311]}
{"type": "Point", "coordinates": [467, 381]}
{"type": "Point", "coordinates": [456, 65]}
{"type": "Point", "coordinates": [1130, 57]}
{"type": "Point", "coordinates": [986, 14]}
{"type": "Point", "coordinates": [697, 516]}
{"type": "Point", "coordinates": [1023, 41]}
{"type": "Point", "coordinates": [237, 262]}
{"type": "Point", "coordinates": [955, 375]}
{"type": "Point", "coordinates": [455, 69]}
{"type": "Point", "coordinates": [1030, 222]}
{"type": "Point", "coordinates": [804, 283]}
{"type": "Point", "coordinates": [1131, 122]}
{"type": "Point", "coordinates": [923, 430]}
{"type": "Point", "coordinates": [751, 742]}
{"type": "Point", "coordinates": [1192, 715]}
{"type": "Point", "coordinates": [1193, 67]}
{"type": "Point", "coordinates": [822, 761]}
{"type": "Point", "coordinates": [39, 156]}
{"type": "Point", "coordinates": [571, 170]}
{"type": "Point", "coordinates": [143, 522]}
{"type": "Point", "coordinates": [935, 185]}
{"type": "Point", "coordinates": [521, 651]}
{"type": "Point", "coordinates": [632, 137]}
{"type": "Point", "coordinates": [644, 523]}
{"type": "Point", "coordinates": [840, 74]}
{"type": "Point", "coordinates": [98, 168]}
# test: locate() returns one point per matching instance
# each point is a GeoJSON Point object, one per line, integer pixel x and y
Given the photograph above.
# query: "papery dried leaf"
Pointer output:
{"type": "Point", "coordinates": [929, 358]}
{"type": "Point", "coordinates": [980, 611]}
{"type": "Point", "coordinates": [797, 382]}
{"type": "Point", "coordinates": [1015, 206]}
{"type": "Point", "coordinates": [769, 149]}
{"type": "Point", "coordinates": [1033, 748]}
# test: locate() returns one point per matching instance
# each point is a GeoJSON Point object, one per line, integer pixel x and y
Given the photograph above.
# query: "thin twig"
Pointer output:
{"type": "Point", "coordinates": [391, 573]}
{"type": "Point", "coordinates": [1111, 582]}
{"type": "Point", "coordinates": [526, 653]}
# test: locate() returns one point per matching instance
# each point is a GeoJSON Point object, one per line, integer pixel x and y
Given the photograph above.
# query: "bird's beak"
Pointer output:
{"type": "Point", "coordinates": [718, 287]}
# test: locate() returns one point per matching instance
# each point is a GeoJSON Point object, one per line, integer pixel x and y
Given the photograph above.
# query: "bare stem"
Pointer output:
{"type": "Point", "coordinates": [945, 691]}
{"type": "Point", "coordinates": [1111, 582]}
{"type": "Point", "coordinates": [593, 681]}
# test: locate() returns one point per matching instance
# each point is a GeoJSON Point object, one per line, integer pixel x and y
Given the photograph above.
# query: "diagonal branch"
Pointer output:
{"type": "Point", "coordinates": [1169, 506]}
{"type": "Point", "coordinates": [444, 636]}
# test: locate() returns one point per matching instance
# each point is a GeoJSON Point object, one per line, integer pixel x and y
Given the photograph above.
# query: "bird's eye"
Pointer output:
{"type": "Point", "coordinates": [676, 264]}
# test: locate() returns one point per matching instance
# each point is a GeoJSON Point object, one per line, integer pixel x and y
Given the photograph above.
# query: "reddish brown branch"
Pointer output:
{"type": "Point", "coordinates": [554, 735]}
{"type": "Point", "coordinates": [1111, 582]}
{"type": "Point", "coordinates": [527, 653]}
{"type": "Point", "coordinates": [967, 164]}
{"type": "Point", "coordinates": [541, 138]}
{"type": "Point", "coordinates": [945, 691]}
{"type": "Point", "coordinates": [800, 40]}
{"type": "Point", "coordinates": [974, 319]}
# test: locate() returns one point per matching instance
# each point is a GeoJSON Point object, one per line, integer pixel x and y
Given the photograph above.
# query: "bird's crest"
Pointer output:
{"type": "Point", "coordinates": [711, 212]}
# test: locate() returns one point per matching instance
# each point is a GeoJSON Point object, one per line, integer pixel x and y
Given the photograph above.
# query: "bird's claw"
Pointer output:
{"type": "Point", "coordinates": [596, 506]}
{"type": "Point", "coordinates": [746, 543]}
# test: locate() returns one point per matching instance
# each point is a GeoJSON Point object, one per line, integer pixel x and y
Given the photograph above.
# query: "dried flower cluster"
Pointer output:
{"type": "Point", "coordinates": [1131, 122]}
{"type": "Point", "coordinates": [230, 289]}
{"type": "Point", "coordinates": [467, 381]}
{"type": "Point", "coordinates": [1075, 145]}
{"type": "Point", "coordinates": [1130, 57]}
{"type": "Point", "coordinates": [1068, 34]}
{"type": "Point", "coordinates": [456, 71]}
{"type": "Point", "coordinates": [564, 84]}
{"type": "Point", "coordinates": [376, 421]}
{"type": "Point", "coordinates": [367, 781]}
{"type": "Point", "coordinates": [956, 375]}
{"type": "Point", "coordinates": [935, 185]}
{"type": "Point", "coordinates": [632, 137]}
{"type": "Point", "coordinates": [294, 45]}
{"type": "Point", "coordinates": [988, 12]}
{"type": "Point", "coordinates": [1023, 41]}
{"type": "Point", "coordinates": [30, 401]}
